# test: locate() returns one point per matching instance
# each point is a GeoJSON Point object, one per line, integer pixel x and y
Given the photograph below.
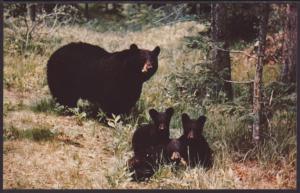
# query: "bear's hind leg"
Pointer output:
{"type": "Point", "coordinates": [68, 98]}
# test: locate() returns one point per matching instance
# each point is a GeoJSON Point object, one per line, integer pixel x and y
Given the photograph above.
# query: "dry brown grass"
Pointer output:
{"type": "Point", "coordinates": [56, 163]}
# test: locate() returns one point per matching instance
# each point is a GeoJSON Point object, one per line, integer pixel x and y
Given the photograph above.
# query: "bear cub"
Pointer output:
{"type": "Point", "coordinates": [197, 150]}
{"type": "Point", "coordinates": [147, 137]}
{"type": "Point", "coordinates": [142, 167]}
{"type": "Point", "coordinates": [149, 141]}
{"type": "Point", "coordinates": [175, 152]}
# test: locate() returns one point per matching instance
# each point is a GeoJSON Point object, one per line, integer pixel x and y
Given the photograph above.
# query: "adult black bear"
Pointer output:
{"type": "Point", "coordinates": [197, 148]}
{"type": "Point", "coordinates": [112, 80]}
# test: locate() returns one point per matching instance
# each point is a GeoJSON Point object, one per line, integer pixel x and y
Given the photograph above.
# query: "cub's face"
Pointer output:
{"type": "Point", "coordinates": [174, 150]}
{"type": "Point", "coordinates": [146, 61]}
{"type": "Point", "coordinates": [192, 128]}
{"type": "Point", "coordinates": [161, 119]}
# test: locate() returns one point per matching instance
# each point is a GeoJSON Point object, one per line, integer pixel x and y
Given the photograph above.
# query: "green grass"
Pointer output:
{"type": "Point", "coordinates": [44, 105]}
{"type": "Point", "coordinates": [35, 134]}
{"type": "Point", "coordinates": [9, 107]}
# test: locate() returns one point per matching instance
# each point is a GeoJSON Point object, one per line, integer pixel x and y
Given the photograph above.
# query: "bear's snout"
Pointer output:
{"type": "Point", "coordinates": [161, 127]}
{"type": "Point", "coordinates": [147, 66]}
{"type": "Point", "coordinates": [190, 135]}
{"type": "Point", "coordinates": [175, 156]}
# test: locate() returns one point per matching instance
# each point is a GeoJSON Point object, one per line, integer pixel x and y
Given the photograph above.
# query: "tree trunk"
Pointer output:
{"type": "Point", "coordinates": [257, 88]}
{"type": "Point", "coordinates": [48, 7]}
{"type": "Point", "coordinates": [31, 11]}
{"type": "Point", "coordinates": [86, 11]}
{"type": "Point", "coordinates": [195, 8]}
{"type": "Point", "coordinates": [220, 52]}
{"type": "Point", "coordinates": [198, 9]}
{"type": "Point", "coordinates": [288, 73]}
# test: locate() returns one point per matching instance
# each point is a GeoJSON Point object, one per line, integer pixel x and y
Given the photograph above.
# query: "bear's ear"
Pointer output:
{"type": "Point", "coordinates": [156, 51]}
{"type": "Point", "coordinates": [153, 114]}
{"type": "Point", "coordinates": [133, 47]}
{"type": "Point", "coordinates": [185, 119]}
{"type": "Point", "coordinates": [170, 111]}
{"type": "Point", "coordinates": [201, 120]}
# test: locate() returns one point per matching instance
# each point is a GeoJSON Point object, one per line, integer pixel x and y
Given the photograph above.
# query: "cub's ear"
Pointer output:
{"type": "Point", "coordinates": [185, 118]}
{"type": "Point", "coordinates": [153, 114]}
{"type": "Point", "coordinates": [170, 111]}
{"type": "Point", "coordinates": [201, 120]}
{"type": "Point", "coordinates": [133, 47]}
{"type": "Point", "coordinates": [156, 51]}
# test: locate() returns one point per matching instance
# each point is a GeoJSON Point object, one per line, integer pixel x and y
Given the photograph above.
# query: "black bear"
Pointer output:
{"type": "Point", "coordinates": [111, 80]}
{"type": "Point", "coordinates": [175, 152]}
{"type": "Point", "coordinates": [197, 148]}
{"type": "Point", "coordinates": [149, 140]}
{"type": "Point", "coordinates": [143, 167]}
{"type": "Point", "coordinates": [153, 136]}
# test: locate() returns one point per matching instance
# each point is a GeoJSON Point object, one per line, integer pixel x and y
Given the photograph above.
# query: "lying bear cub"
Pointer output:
{"type": "Point", "coordinates": [152, 145]}
{"type": "Point", "coordinates": [175, 152]}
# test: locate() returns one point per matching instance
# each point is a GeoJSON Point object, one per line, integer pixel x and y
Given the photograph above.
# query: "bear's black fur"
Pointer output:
{"type": "Point", "coordinates": [112, 80]}
{"type": "Point", "coordinates": [142, 167]}
{"type": "Point", "coordinates": [150, 137]}
{"type": "Point", "coordinates": [149, 141]}
{"type": "Point", "coordinates": [197, 148]}
{"type": "Point", "coordinates": [175, 152]}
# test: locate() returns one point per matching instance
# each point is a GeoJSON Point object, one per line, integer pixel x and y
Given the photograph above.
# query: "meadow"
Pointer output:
{"type": "Point", "coordinates": [47, 148]}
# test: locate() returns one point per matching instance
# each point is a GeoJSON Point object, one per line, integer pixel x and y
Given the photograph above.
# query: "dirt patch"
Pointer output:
{"type": "Point", "coordinates": [252, 175]}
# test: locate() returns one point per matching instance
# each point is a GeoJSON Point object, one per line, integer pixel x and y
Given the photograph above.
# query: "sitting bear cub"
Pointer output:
{"type": "Point", "coordinates": [197, 150]}
{"type": "Point", "coordinates": [148, 143]}
{"type": "Point", "coordinates": [150, 137]}
{"type": "Point", "coordinates": [113, 81]}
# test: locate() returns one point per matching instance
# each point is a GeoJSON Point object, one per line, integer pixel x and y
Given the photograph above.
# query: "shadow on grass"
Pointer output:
{"type": "Point", "coordinates": [38, 135]}
{"type": "Point", "coordinates": [87, 110]}
{"type": "Point", "coordinates": [35, 134]}
{"type": "Point", "coordinates": [48, 105]}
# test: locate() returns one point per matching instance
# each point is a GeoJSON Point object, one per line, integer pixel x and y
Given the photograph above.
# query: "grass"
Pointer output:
{"type": "Point", "coordinates": [35, 134]}
{"type": "Point", "coordinates": [70, 148]}
{"type": "Point", "coordinates": [44, 105]}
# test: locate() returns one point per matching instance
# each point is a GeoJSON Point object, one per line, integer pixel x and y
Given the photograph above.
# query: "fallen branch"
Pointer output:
{"type": "Point", "coordinates": [271, 97]}
{"type": "Point", "coordinates": [239, 82]}
{"type": "Point", "coordinates": [237, 51]}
